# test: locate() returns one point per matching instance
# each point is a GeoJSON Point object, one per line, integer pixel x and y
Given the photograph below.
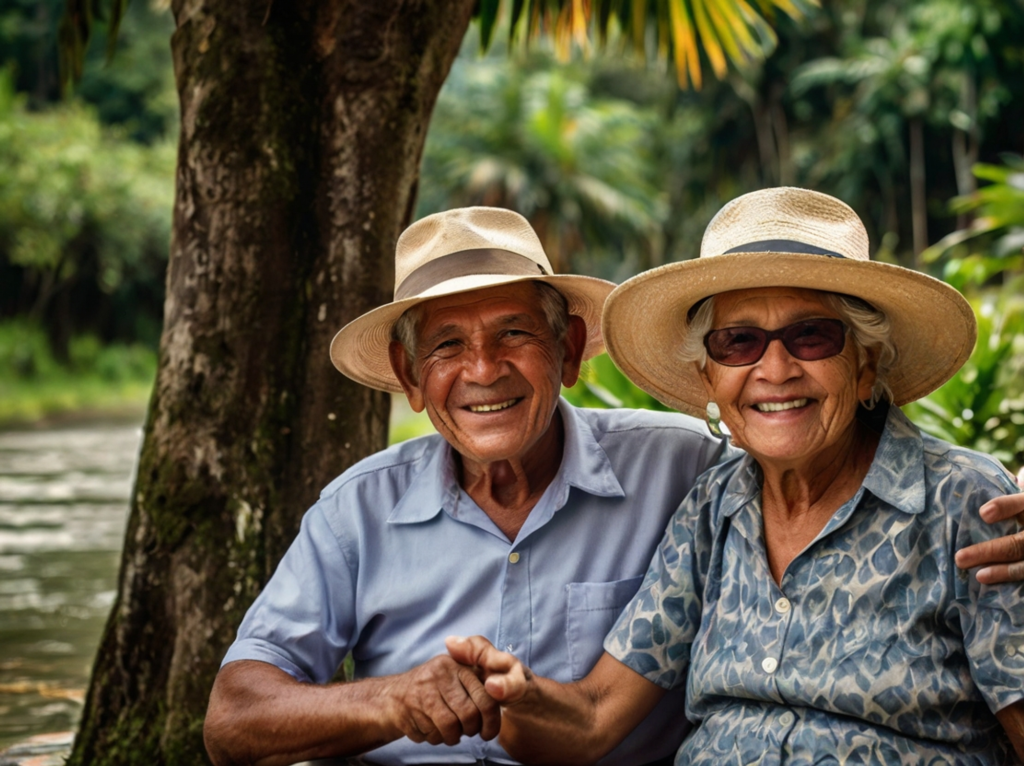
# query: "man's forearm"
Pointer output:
{"type": "Point", "coordinates": [259, 714]}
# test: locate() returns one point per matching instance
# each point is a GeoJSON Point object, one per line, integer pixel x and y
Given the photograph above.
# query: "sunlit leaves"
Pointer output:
{"type": "Point", "coordinates": [679, 31]}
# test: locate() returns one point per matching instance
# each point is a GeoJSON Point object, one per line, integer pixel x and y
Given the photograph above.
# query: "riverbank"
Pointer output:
{"type": "Point", "coordinates": [95, 380]}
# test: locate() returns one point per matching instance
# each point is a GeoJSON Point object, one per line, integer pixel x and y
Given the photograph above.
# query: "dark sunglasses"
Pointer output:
{"type": "Point", "coordinates": [807, 341]}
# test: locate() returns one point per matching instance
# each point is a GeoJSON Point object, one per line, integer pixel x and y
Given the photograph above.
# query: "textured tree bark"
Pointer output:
{"type": "Point", "coordinates": [302, 126]}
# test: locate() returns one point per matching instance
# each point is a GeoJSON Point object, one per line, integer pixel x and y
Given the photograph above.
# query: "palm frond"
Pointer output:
{"type": "Point", "coordinates": [76, 28]}
{"type": "Point", "coordinates": [683, 31]}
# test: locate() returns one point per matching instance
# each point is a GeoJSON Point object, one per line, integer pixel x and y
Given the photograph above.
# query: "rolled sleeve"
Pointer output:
{"type": "Point", "coordinates": [294, 624]}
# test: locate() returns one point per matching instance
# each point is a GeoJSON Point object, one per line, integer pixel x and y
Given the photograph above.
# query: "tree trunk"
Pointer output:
{"type": "Point", "coordinates": [918, 191]}
{"type": "Point", "coordinates": [302, 126]}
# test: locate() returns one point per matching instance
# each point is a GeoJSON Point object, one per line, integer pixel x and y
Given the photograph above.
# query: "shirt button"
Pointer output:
{"type": "Point", "coordinates": [782, 605]}
{"type": "Point", "coordinates": [1011, 650]}
{"type": "Point", "coordinates": [769, 664]}
{"type": "Point", "coordinates": [513, 558]}
{"type": "Point", "coordinates": [787, 718]}
{"type": "Point", "coordinates": [509, 648]}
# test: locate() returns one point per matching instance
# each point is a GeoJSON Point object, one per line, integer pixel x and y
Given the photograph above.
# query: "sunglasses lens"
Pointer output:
{"type": "Point", "coordinates": [736, 346]}
{"type": "Point", "coordinates": [814, 339]}
{"type": "Point", "coordinates": [808, 341]}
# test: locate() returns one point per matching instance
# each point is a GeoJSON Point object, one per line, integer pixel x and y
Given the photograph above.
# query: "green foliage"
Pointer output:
{"type": "Point", "coordinates": [993, 242]}
{"type": "Point", "coordinates": [82, 212]}
{"type": "Point", "coordinates": [134, 89]}
{"type": "Point", "coordinates": [982, 406]}
{"type": "Point", "coordinates": [603, 386]}
{"type": "Point", "coordinates": [98, 377]}
{"type": "Point", "coordinates": [535, 139]}
{"type": "Point", "coordinates": [129, 79]}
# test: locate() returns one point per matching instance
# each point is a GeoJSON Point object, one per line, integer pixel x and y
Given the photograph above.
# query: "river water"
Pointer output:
{"type": "Point", "coordinates": [63, 509]}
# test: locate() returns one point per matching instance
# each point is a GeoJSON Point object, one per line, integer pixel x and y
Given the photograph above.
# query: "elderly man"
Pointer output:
{"type": "Point", "coordinates": [524, 520]}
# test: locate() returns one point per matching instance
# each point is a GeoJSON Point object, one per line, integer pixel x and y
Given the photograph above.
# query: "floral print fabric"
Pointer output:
{"type": "Point", "coordinates": [876, 649]}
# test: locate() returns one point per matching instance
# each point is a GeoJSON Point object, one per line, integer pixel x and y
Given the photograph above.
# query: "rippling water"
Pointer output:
{"type": "Point", "coordinates": [63, 508]}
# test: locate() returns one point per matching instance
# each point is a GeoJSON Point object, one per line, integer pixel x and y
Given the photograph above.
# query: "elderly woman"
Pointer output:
{"type": "Point", "coordinates": [806, 594]}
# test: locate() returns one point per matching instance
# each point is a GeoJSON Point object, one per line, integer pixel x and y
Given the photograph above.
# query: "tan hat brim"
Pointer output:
{"type": "Point", "coordinates": [644, 321]}
{"type": "Point", "coordinates": [360, 349]}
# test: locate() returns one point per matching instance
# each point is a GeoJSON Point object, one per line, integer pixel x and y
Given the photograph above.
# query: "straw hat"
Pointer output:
{"type": "Point", "coordinates": [784, 237]}
{"type": "Point", "coordinates": [455, 252]}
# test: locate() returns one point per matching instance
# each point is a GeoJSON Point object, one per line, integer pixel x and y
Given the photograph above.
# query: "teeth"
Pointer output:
{"type": "Point", "coordinates": [780, 406]}
{"type": "Point", "coordinates": [491, 407]}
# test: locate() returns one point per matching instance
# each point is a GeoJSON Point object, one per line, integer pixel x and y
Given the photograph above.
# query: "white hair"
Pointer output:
{"type": "Point", "coordinates": [870, 328]}
{"type": "Point", "coordinates": [554, 305]}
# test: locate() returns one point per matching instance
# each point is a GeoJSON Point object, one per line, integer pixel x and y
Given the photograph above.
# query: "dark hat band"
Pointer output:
{"type": "Point", "coordinates": [770, 246]}
{"type": "Point", "coordinates": [467, 263]}
{"type": "Point", "coordinates": [782, 246]}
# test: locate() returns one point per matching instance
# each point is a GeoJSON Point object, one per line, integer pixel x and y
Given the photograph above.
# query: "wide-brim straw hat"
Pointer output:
{"type": "Point", "coordinates": [456, 252]}
{"type": "Point", "coordinates": [784, 237]}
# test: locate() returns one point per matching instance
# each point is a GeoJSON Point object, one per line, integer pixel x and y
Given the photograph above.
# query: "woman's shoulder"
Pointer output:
{"type": "Point", "coordinates": [721, 490]}
{"type": "Point", "coordinates": [978, 471]}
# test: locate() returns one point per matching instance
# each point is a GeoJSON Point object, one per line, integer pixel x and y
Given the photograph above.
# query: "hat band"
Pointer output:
{"type": "Point", "coordinates": [782, 246]}
{"type": "Point", "coordinates": [467, 263]}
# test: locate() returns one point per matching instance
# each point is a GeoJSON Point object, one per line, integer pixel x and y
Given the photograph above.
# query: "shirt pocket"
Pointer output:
{"type": "Point", "coordinates": [591, 610]}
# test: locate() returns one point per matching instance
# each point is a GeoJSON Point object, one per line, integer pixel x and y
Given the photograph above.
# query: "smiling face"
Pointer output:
{"type": "Point", "coordinates": [782, 410]}
{"type": "Point", "coordinates": [488, 370]}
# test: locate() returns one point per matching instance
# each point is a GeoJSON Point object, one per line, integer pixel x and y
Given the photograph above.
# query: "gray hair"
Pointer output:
{"type": "Point", "coordinates": [871, 330]}
{"type": "Point", "coordinates": [552, 303]}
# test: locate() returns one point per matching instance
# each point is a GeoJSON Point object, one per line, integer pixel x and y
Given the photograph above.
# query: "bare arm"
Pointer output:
{"type": "Point", "coordinates": [259, 714]}
{"type": "Point", "coordinates": [1002, 559]}
{"type": "Point", "coordinates": [544, 721]}
{"type": "Point", "coordinates": [1012, 719]}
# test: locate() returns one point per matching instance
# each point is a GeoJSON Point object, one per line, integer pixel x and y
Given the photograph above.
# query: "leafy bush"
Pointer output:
{"type": "Point", "coordinates": [982, 406]}
{"type": "Point", "coordinates": [33, 384]}
{"type": "Point", "coordinates": [84, 219]}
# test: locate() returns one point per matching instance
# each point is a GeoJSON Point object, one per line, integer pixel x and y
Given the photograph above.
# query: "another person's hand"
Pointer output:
{"type": "Point", "coordinates": [505, 678]}
{"type": "Point", "coordinates": [440, 701]}
{"type": "Point", "coordinates": [1001, 559]}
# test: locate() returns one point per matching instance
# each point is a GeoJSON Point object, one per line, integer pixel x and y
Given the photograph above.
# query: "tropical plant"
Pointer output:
{"type": "Point", "coordinates": [993, 243]}
{"type": "Point", "coordinates": [982, 406]}
{"type": "Point", "coordinates": [911, 85]}
{"type": "Point", "coordinates": [535, 139]}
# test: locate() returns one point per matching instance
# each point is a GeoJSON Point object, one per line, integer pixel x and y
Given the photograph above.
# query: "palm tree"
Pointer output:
{"type": "Point", "coordinates": [536, 140]}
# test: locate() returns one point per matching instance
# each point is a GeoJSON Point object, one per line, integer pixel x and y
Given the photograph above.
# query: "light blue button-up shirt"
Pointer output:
{"type": "Point", "coordinates": [874, 649]}
{"type": "Point", "coordinates": [395, 557]}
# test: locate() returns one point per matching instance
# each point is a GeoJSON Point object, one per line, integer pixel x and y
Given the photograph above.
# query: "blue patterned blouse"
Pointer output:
{"type": "Point", "coordinates": [876, 649]}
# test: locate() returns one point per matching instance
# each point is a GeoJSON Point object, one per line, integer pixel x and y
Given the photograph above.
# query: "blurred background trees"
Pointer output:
{"type": "Point", "coordinates": [890, 106]}
{"type": "Point", "coordinates": [887, 105]}
{"type": "Point", "coordinates": [86, 186]}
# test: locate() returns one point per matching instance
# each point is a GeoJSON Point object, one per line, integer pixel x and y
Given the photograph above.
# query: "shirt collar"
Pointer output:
{"type": "Point", "coordinates": [896, 475]}
{"type": "Point", "coordinates": [585, 465]}
{"type": "Point", "coordinates": [432, 488]}
{"type": "Point", "coordinates": [897, 472]}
